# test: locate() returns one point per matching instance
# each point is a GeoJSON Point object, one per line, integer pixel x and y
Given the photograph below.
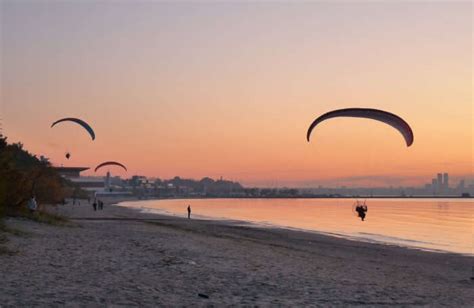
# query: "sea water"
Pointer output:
{"type": "Point", "coordinates": [445, 225]}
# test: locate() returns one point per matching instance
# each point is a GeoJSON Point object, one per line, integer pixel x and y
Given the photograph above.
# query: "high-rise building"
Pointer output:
{"type": "Point", "coordinates": [434, 185]}
{"type": "Point", "coordinates": [440, 183]}
{"type": "Point", "coordinates": [446, 181]}
{"type": "Point", "coordinates": [107, 181]}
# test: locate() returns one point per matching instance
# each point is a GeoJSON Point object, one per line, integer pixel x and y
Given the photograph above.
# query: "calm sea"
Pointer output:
{"type": "Point", "coordinates": [431, 224]}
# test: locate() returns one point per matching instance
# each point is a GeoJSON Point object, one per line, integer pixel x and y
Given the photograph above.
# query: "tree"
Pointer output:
{"type": "Point", "coordinates": [23, 175]}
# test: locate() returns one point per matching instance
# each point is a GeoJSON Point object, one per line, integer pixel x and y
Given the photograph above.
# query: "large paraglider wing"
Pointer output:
{"type": "Point", "coordinates": [374, 114]}
{"type": "Point", "coordinates": [78, 121]}
{"type": "Point", "coordinates": [108, 163]}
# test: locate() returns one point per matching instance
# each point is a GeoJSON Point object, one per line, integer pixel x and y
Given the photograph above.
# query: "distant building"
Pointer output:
{"type": "Point", "coordinates": [434, 186]}
{"type": "Point", "coordinates": [73, 174]}
{"type": "Point", "coordinates": [70, 172]}
{"type": "Point", "coordinates": [440, 183]}
{"type": "Point", "coordinates": [445, 182]}
{"type": "Point", "coordinates": [107, 181]}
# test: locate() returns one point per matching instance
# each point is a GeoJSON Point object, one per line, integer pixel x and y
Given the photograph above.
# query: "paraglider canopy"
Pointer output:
{"type": "Point", "coordinates": [110, 163]}
{"type": "Point", "coordinates": [368, 113]}
{"type": "Point", "coordinates": [82, 123]}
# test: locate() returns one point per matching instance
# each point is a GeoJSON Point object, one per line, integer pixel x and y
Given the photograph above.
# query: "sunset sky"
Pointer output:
{"type": "Point", "coordinates": [219, 89]}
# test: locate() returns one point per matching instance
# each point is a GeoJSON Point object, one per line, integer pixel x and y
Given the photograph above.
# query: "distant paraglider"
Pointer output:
{"type": "Point", "coordinates": [82, 123]}
{"type": "Point", "coordinates": [110, 163]}
{"type": "Point", "coordinates": [361, 209]}
{"type": "Point", "coordinates": [368, 113]}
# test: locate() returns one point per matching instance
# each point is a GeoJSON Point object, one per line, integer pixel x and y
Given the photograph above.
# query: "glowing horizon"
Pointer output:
{"type": "Point", "coordinates": [229, 90]}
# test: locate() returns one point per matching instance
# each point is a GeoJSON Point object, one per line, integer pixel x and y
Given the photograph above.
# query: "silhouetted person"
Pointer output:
{"type": "Point", "coordinates": [189, 212]}
{"type": "Point", "coordinates": [94, 205]}
{"type": "Point", "coordinates": [32, 205]}
{"type": "Point", "coordinates": [101, 205]}
{"type": "Point", "coordinates": [361, 211]}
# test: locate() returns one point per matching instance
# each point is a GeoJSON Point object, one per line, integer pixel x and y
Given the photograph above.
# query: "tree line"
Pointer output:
{"type": "Point", "coordinates": [24, 175]}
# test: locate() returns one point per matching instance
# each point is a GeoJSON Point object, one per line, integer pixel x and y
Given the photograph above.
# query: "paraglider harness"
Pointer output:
{"type": "Point", "coordinates": [361, 209]}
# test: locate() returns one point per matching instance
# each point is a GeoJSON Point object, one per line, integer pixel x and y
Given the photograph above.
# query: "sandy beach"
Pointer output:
{"type": "Point", "coordinates": [120, 256]}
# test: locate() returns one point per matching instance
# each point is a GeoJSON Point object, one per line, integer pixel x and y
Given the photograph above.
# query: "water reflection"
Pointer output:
{"type": "Point", "coordinates": [431, 224]}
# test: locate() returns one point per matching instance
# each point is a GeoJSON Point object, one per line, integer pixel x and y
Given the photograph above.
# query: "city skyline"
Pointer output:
{"type": "Point", "coordinates": [456, 183]}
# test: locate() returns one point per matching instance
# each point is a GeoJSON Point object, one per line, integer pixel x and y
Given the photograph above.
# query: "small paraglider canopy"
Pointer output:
{"type": "Point", "coordinates": [82, 123]}
{"type": "Point", "coordinates": [110, 163]}
{"type": "Point", "coordinates": [368, 113]}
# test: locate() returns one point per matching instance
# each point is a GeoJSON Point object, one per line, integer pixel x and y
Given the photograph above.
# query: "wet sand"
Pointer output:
{"type": "Point", "coordinates": [119, 256]}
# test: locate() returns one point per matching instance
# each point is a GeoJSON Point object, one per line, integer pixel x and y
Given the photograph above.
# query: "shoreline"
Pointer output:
{"type": "Point", "coordinates": [120, 256]}
{"type": "Point", "coordinates": [269, 226]}
{"type": "Point", "coordinates": [374, 239]}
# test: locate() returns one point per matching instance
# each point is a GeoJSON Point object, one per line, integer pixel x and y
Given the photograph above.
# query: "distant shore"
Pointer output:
{"type": "Point", "coordinates": [120, 256]}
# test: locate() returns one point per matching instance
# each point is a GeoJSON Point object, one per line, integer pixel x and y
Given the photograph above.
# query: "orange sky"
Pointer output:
{"type": "Point", "coordinates": [229, 89]}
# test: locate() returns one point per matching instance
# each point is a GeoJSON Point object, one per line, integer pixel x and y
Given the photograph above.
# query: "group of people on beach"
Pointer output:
{"type": "Point", "coordinates": [98, 205]}
{"type": "Point", "coordinates": [78, 202]}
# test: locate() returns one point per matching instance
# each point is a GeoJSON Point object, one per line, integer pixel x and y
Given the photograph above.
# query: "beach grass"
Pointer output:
{"type": "Point", "coordinates": [4, 251]}
{"type": "Point", "coordinates": [13, 231]}
{"type": "Point", "coordinates": [40, 217]}
{"type": "Point", "coordinates": [45, 217]}
{"type": "Point", "coordinates": [48, 218]}
{"type": "Point", "coordinates": [3, 239]}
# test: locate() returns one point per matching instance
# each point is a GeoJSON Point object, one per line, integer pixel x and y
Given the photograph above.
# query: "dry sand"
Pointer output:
{"type": "Point", "coordinates": [119, 256]}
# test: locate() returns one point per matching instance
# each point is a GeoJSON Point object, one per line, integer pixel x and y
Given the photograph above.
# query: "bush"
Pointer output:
{"type": "Point", "coordinates": [23, 175]}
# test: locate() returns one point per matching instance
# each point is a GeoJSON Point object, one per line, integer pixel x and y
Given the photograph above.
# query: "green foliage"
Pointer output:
{"type": "Point", "coordinates": [48, 218]}
{"type": "Point", "coordinates": [13, 231]}
{"type": "Point", "coordinates": [23, 175]}
{"type": "Point", "coordinates": [3, 239]}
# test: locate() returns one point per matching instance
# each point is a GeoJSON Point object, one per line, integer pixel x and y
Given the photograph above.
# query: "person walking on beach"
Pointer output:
{"type": "Point", "coordinates": [189, 211]}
